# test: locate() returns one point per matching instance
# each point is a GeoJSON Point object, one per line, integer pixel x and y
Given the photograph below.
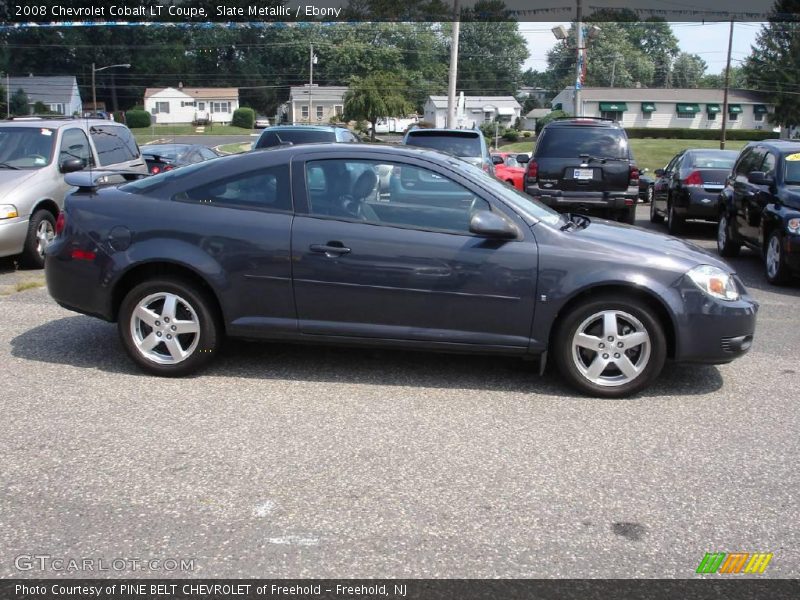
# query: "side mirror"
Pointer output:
{"type": "Point", "coordinates": [497, 160]}
{"type": "Point", "coordinates": [659, 172]}
{"type": "Point", "coordinates": [523, 158]}
{"type": "Point", "coordinates": [759, 178]}
{"type": "Point", "coordinates": [70, 165]}
{"type": "Point", "coordinates": [491, 225]}
{"type": "Point", "coordinates": [645, 170]}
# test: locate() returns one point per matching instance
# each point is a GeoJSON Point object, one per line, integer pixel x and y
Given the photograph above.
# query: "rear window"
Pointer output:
{"type": "Point", "coordinates": [713, 160]}
{"type": "Point", "coordinates": [114, 144]}
{"type": "Point", "coordinates": [455, 143]}
{"type": "Point", "coordinates": [569, 142]}
{"type": "Point", "coordinates": [294, 136]}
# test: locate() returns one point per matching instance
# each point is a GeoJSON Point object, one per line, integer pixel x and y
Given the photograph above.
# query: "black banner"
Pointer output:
{"type": "Point", "coordinates": [399, 589]}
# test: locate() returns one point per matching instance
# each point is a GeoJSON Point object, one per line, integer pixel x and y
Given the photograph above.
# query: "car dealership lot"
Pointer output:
{"type": "Point", "coordinates": [300, 461]}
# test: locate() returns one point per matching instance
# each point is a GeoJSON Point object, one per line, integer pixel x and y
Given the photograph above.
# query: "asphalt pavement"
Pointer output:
{"type": "Point", "coordinates": [292, 461]}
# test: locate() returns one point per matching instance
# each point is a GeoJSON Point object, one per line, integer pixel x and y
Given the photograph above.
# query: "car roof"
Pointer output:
{"type": "Point", "coordinates": [433, 130]}
{"type": "Point", "coordinates": [299, 126]}
{"type": "Point", "coordinates": [54, 123]}
{"type": "Point", "coordinates": [778, 145]}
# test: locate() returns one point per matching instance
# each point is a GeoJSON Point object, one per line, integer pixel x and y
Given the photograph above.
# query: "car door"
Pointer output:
{"type": "Point", "coordinates": [748, 213]}
{"type": "Point", "coordinates": [399, 262]}
{"type": "Point", "coordinates": [661, 185]}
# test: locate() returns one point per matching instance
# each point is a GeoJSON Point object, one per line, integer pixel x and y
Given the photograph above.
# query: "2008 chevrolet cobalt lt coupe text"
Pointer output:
{"type": "Point", "coordinates": [400, 247]}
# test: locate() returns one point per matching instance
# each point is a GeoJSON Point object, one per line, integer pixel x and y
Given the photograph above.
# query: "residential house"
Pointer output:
{"type": "Point", "coordinates": [671, 107]}
{"type": "Point", "coordinates": [473, 110]}
{"type": "Point", "coordinates": [191, 105]}
{"type": "Point", "coordinates": [59, 93]}
{"type": "Point", "coordinates": [312, 104]}
{"type": "Point", "coordinates": [530, 119]}
{"type": "Point", "coordinates": [526, 91]}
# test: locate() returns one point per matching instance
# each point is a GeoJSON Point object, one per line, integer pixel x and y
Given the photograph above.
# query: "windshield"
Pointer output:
{"type": "Point", "coordinates": [792, 169]}
{"type": "Point", "coordinates": [511, 161]}
{"type": "Point", "coordinates": [569, 142]}
{"type": "Point", "coordinates": [715, 159]}
{"type": "Point", "coordinates": [520, 201]}
{"type": "Point", "coordinates": [294, 136]}
{"type": "Point", "coordinates": [26, 147]}
{"type": "Point", "coordinates": [465, 144]}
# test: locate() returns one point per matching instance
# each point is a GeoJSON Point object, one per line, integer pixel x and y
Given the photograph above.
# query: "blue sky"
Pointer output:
{"type": "Point", "coordinates": [709, 40]}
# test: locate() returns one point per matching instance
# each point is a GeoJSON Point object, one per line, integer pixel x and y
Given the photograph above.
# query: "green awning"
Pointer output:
{"type": "Point", "coordinates": [687, 108]}
{"type": "Point", "coordinates": [648, 107]}
{"type": "Point", "coordinates": [713, 109]}
{"type": "Point", "coordinates": [760, 109]}
{"type": "Point", "coordinates": [734, 108]}
{"type": "Point", "coordinates": [613, 106]}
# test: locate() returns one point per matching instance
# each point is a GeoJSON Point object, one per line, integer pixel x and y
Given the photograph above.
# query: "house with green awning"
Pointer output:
{"type": "Point", "coordinates": [672, 107]}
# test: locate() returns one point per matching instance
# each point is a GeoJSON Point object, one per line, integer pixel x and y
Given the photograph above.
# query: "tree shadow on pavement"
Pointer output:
{"type": "Point", "coordinates": [85, 342]}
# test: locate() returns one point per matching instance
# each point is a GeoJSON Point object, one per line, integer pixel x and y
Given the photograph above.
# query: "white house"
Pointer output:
{"type": "Point", "coordinates": [671, 107]}
{"type": "Point", "coordinates": [191, 105]}
{"type": "Point", "coordinates": [473, 110]}
{"type": "Point", "coordinates": [312, 104]}
{"type": "Point", "coordinates": [59, 94]}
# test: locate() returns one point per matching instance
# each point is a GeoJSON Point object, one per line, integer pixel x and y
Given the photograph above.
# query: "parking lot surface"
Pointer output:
{"type": "Point", "coordinates": [292, 461]}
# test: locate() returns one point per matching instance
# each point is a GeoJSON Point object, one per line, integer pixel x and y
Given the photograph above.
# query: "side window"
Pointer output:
{"type": "Point", "coordinates": [262, 189]}
{"type": "Point", "coordinates": [114, 144]}
{"type": "Point", "coordinates": [75, 144]}
{"type": "Point", "coordinates": [671, 164]}
{"type": "Point", "coordinates": [768, 166]}
{"type": "Point", "coordinates": [208, 154]}
{"type": "Point", "coordinates": [750, 161]}
{"type": "Point", "coordinates": [386, 193]}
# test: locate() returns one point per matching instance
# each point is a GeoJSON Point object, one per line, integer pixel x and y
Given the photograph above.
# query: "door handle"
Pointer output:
{"type": "Point", "coordinates": [330, 250]}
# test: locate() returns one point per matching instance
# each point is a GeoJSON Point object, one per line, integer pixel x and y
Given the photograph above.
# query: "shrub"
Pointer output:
{"type": "Point", "coordinates": [137, 118]}
{"type": "Point", "coordinates": [244, 117]}
{"type": "Point", "coordinates": [511, 135]}
{"type": "Point", "coordinates": [526, 134]}
{"type": "Point", "coordinates": [686, 133]}
{"type": "Point", "coordinates": [555, 114]}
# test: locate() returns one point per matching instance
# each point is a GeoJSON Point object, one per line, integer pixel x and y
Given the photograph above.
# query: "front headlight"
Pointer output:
{"type": "Point", "coordinates": [793, 225]}
{"type": "Point", "coordinates": [714, 282]}
{"type": "Point", "coordinates": [8, 211]}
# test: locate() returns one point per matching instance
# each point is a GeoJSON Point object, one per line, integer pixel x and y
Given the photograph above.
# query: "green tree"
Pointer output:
{"type": "Point", "coordinates": [737, 79]}
{"type": "Point", "coordinates": [688, 71]}
{"type": "Point", "coordinates": [774, 65]}
{"type": "Point", "coordinates": [373, 97]}
{"type": "Point", "coordinates": [19, 103]}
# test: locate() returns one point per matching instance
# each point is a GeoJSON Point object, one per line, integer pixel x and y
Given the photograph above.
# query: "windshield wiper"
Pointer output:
{"type": "Point", "coordinates": [8, 166]}
{"type": "Point", "coordinates": [575, 221]}
{"type": "Point", "coordinates": [589, 158]}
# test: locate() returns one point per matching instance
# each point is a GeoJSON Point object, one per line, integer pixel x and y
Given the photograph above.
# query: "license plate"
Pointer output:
{"type": "Point", "coordinates": [583, 174]}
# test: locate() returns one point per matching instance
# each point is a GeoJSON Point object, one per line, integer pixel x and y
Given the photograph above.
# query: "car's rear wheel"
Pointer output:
{"type": "Point", "coordinates": [775, 260]}
{"type": "Point", "coordinates": [610, 348]}
{"type": "Point", "coordinates": [726, 244]}
{"type": "Point", "coordinates": [654, 216]}
{"type": "Point", "coordinates": [629, 215]}
{"type": "Point", "coordinates": [169, 327]}
{"type": "Point", "coordinates": [41, 231]}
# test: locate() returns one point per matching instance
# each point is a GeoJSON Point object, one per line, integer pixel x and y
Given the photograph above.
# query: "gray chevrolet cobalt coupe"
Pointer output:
{"type": "Point", "coordinates": [394, 247]}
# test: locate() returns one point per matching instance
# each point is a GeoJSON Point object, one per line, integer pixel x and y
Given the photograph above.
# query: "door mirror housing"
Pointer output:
{"type": "Point", "coordinates": [759, 178]}
{"type": "Point", "coordinates": [497, 160]}
{"type": "Point", "coordinates": [491, 225]}
{"type": "Point", "coordinates": [523, 158]}
{"type": "Point", "coordinates": [70, 165]}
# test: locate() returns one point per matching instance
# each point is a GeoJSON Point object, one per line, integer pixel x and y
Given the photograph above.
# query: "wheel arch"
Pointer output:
{"type": "Point", "coordinates": [159, 268]}
{"type": "Point", "coordinates": [47, 204]}
{"type": "Point", "coordinates": [662, 313]}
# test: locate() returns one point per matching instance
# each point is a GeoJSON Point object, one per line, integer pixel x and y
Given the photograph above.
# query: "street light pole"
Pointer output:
{"type": "Point", "coordinates": [451, 83]}
{"type": "Point", "coordinates": [579, 60]}
{"type": "Point", "coordinates": [94, 89]}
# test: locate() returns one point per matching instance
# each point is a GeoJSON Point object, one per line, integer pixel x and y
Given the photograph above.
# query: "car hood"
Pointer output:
{"type": "Point", "coordinates": [11, 179]}
{"type": "Point", "coordinates": [641, 246]}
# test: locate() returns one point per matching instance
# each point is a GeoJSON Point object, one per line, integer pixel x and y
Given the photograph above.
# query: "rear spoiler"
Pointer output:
{"type": "Point", "coordinates": [88, 182]}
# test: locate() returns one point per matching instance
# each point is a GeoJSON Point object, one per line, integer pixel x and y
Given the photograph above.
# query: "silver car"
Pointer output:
{"type": "Point", "coordinates": [35, 154]}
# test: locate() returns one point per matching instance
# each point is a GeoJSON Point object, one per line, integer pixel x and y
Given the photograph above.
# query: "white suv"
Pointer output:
{"type": "Point", "coordinates": [35, 154]}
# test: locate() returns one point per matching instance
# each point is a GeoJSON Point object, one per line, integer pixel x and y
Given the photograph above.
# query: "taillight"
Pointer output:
{"type": "Point", "coordinates": [79, 254]}
{"type": "Point", "coordinates": [61, 222]}
{"type": "Point", "coordinates": [154, 169]}
{"type": "Point", "coordinates": [533, 169]}
{"type": "Point", "coordinates": [694, 179]}
{"type": "Point", "coordinates": [634, 175]}
{"type": "Point", "coordinates": [168, 168]}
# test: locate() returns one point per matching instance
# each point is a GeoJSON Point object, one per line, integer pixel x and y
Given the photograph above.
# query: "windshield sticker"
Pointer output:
{"type": "Point", "coordinates": [793, 157]}
{"type": "Point", "coordinates": [46, 132]}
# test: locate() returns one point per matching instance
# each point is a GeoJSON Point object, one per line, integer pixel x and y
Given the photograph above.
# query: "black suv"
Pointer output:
{"type": "Point", "coordinates": [584, 165]}
{"type": "Point", "coordinates": [760, 207]}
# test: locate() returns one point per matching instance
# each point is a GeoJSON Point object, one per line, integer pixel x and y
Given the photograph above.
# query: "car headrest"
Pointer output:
{"type": "Point", "coordinates": [365, 183]}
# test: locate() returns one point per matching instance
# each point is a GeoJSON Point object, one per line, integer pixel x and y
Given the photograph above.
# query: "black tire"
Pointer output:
{"type": "Point", "coordinates": [675, 222]}
{"type": "Point", "coordinates": [649, 194]}
{"type": "Point", "coordinates": [32, 256]}
{"type": "Point", "coordinates": [655, 217]}
{"type": "Point", "coordinates": [646, 357]}
{"type": "Point", "coordinates": [775, 267]}
{"type": "Point", "coordinates": [200, 346]}
{"type": "Point", "coordinates": [727, 245]}
{"type": "Point", "coordinates": [629, 216]}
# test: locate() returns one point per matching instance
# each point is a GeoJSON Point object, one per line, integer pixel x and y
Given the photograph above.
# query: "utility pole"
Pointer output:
{"type": "Point", "coordinates": [451, 83]}
{"type": "Point", "coordinates": [94, 92]}
{"type": "Point", "coordinates": [725, 93]}
{"type": "Point", "coordinates": [8, 97]}
{"type": "Point", "coordinates": [579, 60]}
{"type": "Point", "coordinates": [310, 78]}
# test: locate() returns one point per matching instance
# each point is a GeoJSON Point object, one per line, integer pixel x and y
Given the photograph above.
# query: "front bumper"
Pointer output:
{"type": "Point", "coordinates": [714, 331]}
{"type": "Point", "coordinates": [12, 236]}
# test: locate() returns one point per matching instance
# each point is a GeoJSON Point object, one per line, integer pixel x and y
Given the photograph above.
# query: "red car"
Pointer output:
{"type": "Point", "coordinates": [508, 167]}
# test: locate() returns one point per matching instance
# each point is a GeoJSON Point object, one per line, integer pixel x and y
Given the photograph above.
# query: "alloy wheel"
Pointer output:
{"type": "Point", "coordinates": [722, 231]}
{"type": "Point", "coordinates": [773, 259]}
{"type": "Point", "coordinates": [45, 233]}
{"type": "Point", "coordinates": [165, 328]}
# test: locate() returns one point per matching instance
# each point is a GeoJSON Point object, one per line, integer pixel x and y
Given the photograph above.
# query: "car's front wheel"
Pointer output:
{"type": "Point", "coordinates": [726, 242]}
{"type": "Point", "coordinates": [169, 327]}
{"type": "Point", "coordinates": [610, 348]}
{"type": "Point", "coordinates": [41, 231]}
{"type": "Point", "coordinates": [655, 217]}
{"type": "Point", "coordinates": [775, 260]}
{"type": "Point", "coordinates": [648, 197]}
